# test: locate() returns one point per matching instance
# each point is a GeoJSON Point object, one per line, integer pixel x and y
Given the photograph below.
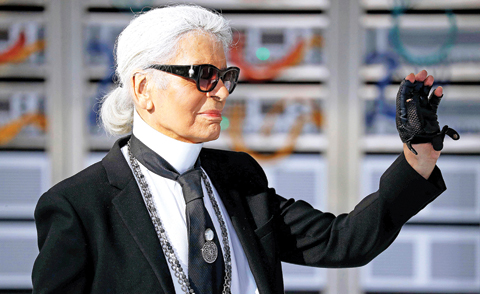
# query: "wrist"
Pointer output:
{"type": "Point", "coordinates": [425, 161]}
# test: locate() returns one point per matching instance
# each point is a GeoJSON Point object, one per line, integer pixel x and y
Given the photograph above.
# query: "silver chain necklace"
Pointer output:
{"type": "Point", "coordinates": [162, 236]}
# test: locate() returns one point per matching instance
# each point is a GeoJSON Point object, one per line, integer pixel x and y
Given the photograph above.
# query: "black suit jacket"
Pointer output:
{"type": "Point", "coordinates": [95, 234]}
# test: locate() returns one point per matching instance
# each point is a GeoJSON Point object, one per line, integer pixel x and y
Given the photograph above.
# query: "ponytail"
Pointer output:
{"type": "Point", "coordinates": [116, 112]}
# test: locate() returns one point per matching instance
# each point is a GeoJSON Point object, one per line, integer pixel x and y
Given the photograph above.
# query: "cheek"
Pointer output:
{"type": "Point", "coordinates": [179, 105]}
{"type": "Point", "coordinates": [185, 109]}
{"type": "Point", "coordinates": [190, 105]}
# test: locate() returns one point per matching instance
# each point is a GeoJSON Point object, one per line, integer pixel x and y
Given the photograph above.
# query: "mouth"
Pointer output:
{"type": "Point", "coordinates": [211, 113]}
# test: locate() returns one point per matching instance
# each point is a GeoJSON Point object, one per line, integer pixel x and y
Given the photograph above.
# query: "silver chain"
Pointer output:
{"type": "Point", "coordinates": [162, 236]}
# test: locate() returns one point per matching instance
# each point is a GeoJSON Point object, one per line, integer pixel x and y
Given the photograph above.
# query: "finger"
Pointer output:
{"type": "Point", "coordinates": [421, 76]}
{"type": "Point", "coordinates": [427, 85]}
{"type": "Point", "coordinates": [410, 78]}
{"type": "Point", "coordinates": [429, 81]}
{"type": "Point", "coordinates": [435, 98]}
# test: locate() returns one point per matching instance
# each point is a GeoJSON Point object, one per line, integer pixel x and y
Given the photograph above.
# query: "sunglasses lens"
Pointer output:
{"type": "Point", "coordinates": [208, 78]}
{"type": "Point", "coordinates": [230, 79]}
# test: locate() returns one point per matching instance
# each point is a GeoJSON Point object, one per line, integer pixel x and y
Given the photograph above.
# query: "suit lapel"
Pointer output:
{"type": "Point", "coordinates": [232, 200]}
{"type": "Point", "coordinates": [131, 208]}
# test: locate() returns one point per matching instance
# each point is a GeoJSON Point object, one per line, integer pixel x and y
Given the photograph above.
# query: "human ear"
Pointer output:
{"type": "Point", "coordinates": [141, 91]}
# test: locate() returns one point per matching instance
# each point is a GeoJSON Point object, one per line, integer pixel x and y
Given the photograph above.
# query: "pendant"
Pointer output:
{"type": "Point", "coordinates": [209, 249]}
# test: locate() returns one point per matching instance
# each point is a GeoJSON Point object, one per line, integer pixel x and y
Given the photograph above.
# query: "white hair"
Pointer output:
{"type": "Point", "coordinates": [153, 37]}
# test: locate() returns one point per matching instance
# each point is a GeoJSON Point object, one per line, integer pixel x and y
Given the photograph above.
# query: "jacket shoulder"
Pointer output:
{"type": "Point", "coordinates": [89, 187]}
{"type": "Point", "coordinates": [109, 175]}
{"type": "Point", "coordinates": [239, 169]}
{"type": "Point", "coordinates": [87, 178]}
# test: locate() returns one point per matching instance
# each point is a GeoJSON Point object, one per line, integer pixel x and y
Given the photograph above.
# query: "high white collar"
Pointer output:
{"type": "Point", "coordinates": [181, 155]}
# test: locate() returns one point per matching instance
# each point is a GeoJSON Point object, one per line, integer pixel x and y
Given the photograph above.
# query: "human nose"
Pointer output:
{"type": "Point", "coordinates": [220, 92]}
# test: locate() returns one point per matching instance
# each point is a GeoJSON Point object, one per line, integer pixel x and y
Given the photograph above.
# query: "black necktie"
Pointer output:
{"type": "Point", "coordinates": [204, 277]}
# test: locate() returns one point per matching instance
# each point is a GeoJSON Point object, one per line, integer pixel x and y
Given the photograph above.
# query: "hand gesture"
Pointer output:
{"type": "Point", "coordinates": [416, 115]}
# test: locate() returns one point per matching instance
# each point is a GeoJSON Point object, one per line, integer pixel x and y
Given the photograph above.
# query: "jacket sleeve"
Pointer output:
{"type": "Point", "coordinates": [308, 236]}
{"type": "Point", "coordinates": [61, 264]}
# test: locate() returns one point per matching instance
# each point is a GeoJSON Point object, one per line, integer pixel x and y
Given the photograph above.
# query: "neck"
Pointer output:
{"type": "Point", "coordinates": [181, 155]}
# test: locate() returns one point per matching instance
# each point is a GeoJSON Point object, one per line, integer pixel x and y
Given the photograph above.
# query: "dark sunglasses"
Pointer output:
{"type": "Point", "coordinates": [206, 76]}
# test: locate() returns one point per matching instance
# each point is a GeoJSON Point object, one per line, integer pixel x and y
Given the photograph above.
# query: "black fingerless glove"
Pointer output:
{"type": "Point", "coordinates": [416, 116]}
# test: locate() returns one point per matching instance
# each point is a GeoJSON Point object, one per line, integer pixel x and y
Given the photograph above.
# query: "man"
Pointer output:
{"type": "Point", "coordinates": [161, 214]}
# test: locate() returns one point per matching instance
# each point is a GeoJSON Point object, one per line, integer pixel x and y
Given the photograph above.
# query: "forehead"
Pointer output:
{"type": "Point", "coordinates": [200, 48]}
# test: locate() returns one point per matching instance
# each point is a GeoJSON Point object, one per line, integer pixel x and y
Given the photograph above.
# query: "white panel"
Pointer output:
{"type": "Point", "coordinates": [273, 21]}
{"type": "Point", "coordinates": [420, 21]}
{"type": "Point", "coordinates": [24, 176]}
{"type": "Point", "coordinates": [303, 278]}
{"type": "Point", "coordinates": [422, 4]}
{"type": "Point", "coordinates": [455, 93]}
{"type": "Point", "coordinates": [459, 203]}
{"type": "Point", "coordinates": [18, 243]}
{"type": "Point", "coordinates": [428, 259]}
{"type": "Point", "coordinates": [397, 262]}
{"type": "Point", "coordinates": [454, 260]}
{"type": "Point", "coordinates": [458, 72]}
{"type": "Point", "coordinates": [222, 4]}
{"type": "Point", "coordinates": [23, 2]}
{"type": "Point", "coordinates": [468, 143]}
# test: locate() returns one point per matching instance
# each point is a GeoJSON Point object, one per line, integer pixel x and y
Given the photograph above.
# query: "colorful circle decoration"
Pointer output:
{"type": "Point", "coordinates": [431, 59]}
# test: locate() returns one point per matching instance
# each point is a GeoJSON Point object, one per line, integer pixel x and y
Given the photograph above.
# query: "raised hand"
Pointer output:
{"type": "Point", "coordinates": [416, 116]}
{"type": "Point", "coordinates": [417, 122]}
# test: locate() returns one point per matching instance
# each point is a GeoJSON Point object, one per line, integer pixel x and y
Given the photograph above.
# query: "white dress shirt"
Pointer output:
{"type": "Point", "coordinates": [170, 204]}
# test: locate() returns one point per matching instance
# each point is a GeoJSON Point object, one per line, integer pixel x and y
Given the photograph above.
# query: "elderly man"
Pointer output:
{"type": "Point", "coordinates": [161, 214]}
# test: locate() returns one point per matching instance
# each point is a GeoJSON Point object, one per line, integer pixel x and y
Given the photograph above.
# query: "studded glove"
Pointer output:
{"type": "Point", "coordinates": [416, 116]}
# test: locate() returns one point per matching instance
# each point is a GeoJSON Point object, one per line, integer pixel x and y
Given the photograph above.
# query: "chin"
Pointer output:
{"type": "Point", "coordinates": [205, 134]}
{"type": "Point", "coordinates": [209, 137]}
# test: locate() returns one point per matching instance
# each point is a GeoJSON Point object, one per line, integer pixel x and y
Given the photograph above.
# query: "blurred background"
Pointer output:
{"type": "Point", "coordinates": [315, 106]}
